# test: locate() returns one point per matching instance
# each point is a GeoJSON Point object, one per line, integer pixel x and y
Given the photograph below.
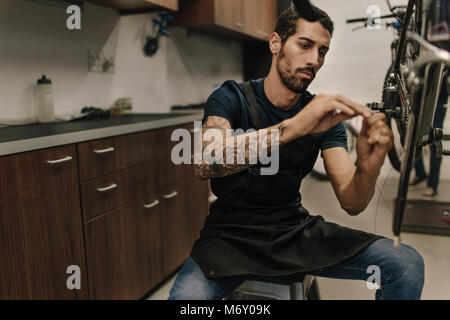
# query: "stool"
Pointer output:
{"type": "Point", "coordinates": [270, 289]}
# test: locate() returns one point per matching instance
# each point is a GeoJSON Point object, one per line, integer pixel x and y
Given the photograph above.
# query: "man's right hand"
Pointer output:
{"type": "Point", "coordinates": [320, 114]}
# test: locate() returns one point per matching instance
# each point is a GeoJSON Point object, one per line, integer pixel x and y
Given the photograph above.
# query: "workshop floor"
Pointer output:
{"type": "Point", "coordinates": [319, 199]}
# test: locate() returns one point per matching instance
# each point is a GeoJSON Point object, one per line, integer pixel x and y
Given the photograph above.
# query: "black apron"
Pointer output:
{"type": "Point", "coordinates": [257, 226]}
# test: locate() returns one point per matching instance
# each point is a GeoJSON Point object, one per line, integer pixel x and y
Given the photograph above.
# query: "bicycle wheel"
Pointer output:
{"type": "Point", "coordinates": [318, 170]}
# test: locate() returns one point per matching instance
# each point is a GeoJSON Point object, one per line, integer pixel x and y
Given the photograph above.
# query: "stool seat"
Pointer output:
{"type": "Point", "coordinates": [263, 288]}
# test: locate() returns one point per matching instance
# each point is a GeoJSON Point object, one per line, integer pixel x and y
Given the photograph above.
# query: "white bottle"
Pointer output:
{"type": "Point", "coordinates": [45, 109]}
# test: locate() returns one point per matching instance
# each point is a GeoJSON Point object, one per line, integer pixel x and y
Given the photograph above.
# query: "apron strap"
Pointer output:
{"type": "Point", "coordinates": [250, 94]}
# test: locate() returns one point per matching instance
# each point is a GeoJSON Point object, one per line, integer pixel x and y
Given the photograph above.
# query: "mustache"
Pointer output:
{"type": "Point", "coordinates": [308, 69]}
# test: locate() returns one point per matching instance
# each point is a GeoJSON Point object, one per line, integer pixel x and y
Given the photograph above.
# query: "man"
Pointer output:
{"type": "Point", "coordinates": [257, 227]}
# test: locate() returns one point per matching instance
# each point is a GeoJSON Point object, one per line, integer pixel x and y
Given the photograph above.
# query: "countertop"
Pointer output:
{"type": "Point", "coordinates": [15, 139]}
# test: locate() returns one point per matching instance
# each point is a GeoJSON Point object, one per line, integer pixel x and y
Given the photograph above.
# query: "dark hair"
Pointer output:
{"type": "Point", "coordinates": [287, 21]}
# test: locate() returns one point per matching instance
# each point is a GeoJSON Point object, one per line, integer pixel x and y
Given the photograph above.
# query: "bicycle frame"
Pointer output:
{"type": "Point", "coordinates": [411, 91]}
{"type": "Point", "coordinates": [418, 91]}
{"type": "Point", "coordinates": [424, 77]}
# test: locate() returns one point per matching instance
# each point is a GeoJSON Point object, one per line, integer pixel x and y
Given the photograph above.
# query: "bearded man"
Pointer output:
{"type": "Point", "coordinates": [257, 228]}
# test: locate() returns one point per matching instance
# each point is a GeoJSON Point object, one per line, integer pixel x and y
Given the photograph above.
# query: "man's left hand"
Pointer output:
{"type": "Point", "coordinates": [374, 142]}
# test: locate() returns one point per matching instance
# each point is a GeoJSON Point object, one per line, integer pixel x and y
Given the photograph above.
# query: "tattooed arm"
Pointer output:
{"type": "Point", "coordinates": [318, 116]}
{"type": "Point", "coordinates": [233, 147]}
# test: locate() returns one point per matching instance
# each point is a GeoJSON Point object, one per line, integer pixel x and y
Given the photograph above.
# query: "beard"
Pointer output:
{"type": "Point", "coordinates": [293, 80]}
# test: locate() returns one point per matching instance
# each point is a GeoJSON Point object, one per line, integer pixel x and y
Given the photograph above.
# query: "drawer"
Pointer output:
{"type": "Point", "coordinates": [164, 142]}
{"type": "Point", "coordinates": [138, 148]}
{"type": "Point", "coordinates": [118, 188]}
{"type": "Point", "coordinates": [99, 157]}
{"type": "Point", "coordinates": [168, 172]}
{"type": "Point", "coordinates": [145, 178]}
{"type": "Point", "coordinates": [106, 193]}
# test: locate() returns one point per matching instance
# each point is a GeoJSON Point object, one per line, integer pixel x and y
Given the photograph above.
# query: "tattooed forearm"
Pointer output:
{"type": "Point", "coordinates": [238, 151]}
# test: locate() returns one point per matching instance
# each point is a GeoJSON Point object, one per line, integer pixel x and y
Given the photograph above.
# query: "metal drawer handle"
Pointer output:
{"type": "Point", "coordinates": [110, 187]}
{"type": "Point", "coordinates": [59, 160]}
{"type": "Point", "coordinates": [171, 195]}
{"type": "Point", "coordinates": [110, 149]}
{"type": "Point", "coordinates": [151, 205]}
{"type": "Point", "coordinates": [262, 33]}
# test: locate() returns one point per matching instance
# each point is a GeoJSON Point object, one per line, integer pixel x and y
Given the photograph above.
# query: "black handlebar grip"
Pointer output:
{"type": "Point", "coordinates": [356, 20]}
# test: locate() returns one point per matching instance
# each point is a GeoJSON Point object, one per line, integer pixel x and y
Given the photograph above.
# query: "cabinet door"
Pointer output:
{"type": "Point", "coordinates": [40, 225]}
{"type": "Point", "coordinates": [175, 226]}
{"type": "Point", "coordinates": [260, 18]}
{"type": "Point", "coordinates": [267, 18]}
{"type": "Point", "coordinates": [230, 14]}
{"type": "Point", "coordinates": [149, 246]}
{"type": "Point", "coordinates": [197, 201]}
{"type": "Point", "coordinates": [112, 256]}
{"type": "Point", "coordinates": [124, 250]}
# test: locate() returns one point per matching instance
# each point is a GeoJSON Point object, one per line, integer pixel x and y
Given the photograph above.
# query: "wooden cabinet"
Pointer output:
{"type": "Point", "coordinates": [243, 19]}
{"type": "Point", "coordinates": [124, 251]}
{"type": "Point", "coordinates": [261, 17]}
{"type": "Point", "coordinates": [176, 228]}
{"type": "Point", "coordinates": [139, 212]}
{"type": "Point", "coordinates": [106, 193]}
{"type": "Point", "coordinates": [143, 229]}
{"type": "Point", "coordinates": [230, 14]}
{"type": "Point", "coordinates": [196, 204]}
{"type": "Point", "coordinates": [40, 225]}
{"type": "Point", "coordinates": [130, 6]}
{"type": "Point", "coordinates": [97, 158]}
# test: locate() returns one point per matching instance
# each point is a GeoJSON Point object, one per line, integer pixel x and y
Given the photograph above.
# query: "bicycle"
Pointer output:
{"type": "Point", "coordinates": [394, 154]}
{"type": "Point", "coordinates": [413, 85]}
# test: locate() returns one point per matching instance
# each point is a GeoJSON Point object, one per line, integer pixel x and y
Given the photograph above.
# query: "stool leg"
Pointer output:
{"type": "Point", "coordinates": [313, 292]}
{"type": "Point", "coordinates": [296, 291]}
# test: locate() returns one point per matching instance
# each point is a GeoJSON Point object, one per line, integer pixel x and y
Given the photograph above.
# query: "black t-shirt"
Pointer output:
{"type": "Point", "coordinates": [226, 103]}
{"type": "Point", "coordinates": [257, 226]}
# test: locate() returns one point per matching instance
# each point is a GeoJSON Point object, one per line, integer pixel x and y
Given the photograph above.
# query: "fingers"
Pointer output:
{"type": "Point", "coordinates": [336, 105]}
{"type": "Point", "coordinates": [375, 126]}
{"type": "Point", "coordinates": [358, 108]}
{"type": "Point", "coordinates": [375, 117]}
{"type": "Point", "coordinates": [377, 130]}
{"type": "Point", "coordinates": [382, 136]}
{"type": "Point", "coordinates": [339, 118]}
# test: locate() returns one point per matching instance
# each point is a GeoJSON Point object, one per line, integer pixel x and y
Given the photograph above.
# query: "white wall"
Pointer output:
{"type": "Point", "coordinates": [35, 40]}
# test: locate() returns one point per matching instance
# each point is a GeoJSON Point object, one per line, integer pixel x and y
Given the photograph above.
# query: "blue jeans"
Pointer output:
{"type": "Point", "coordinates": [401, 274]}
